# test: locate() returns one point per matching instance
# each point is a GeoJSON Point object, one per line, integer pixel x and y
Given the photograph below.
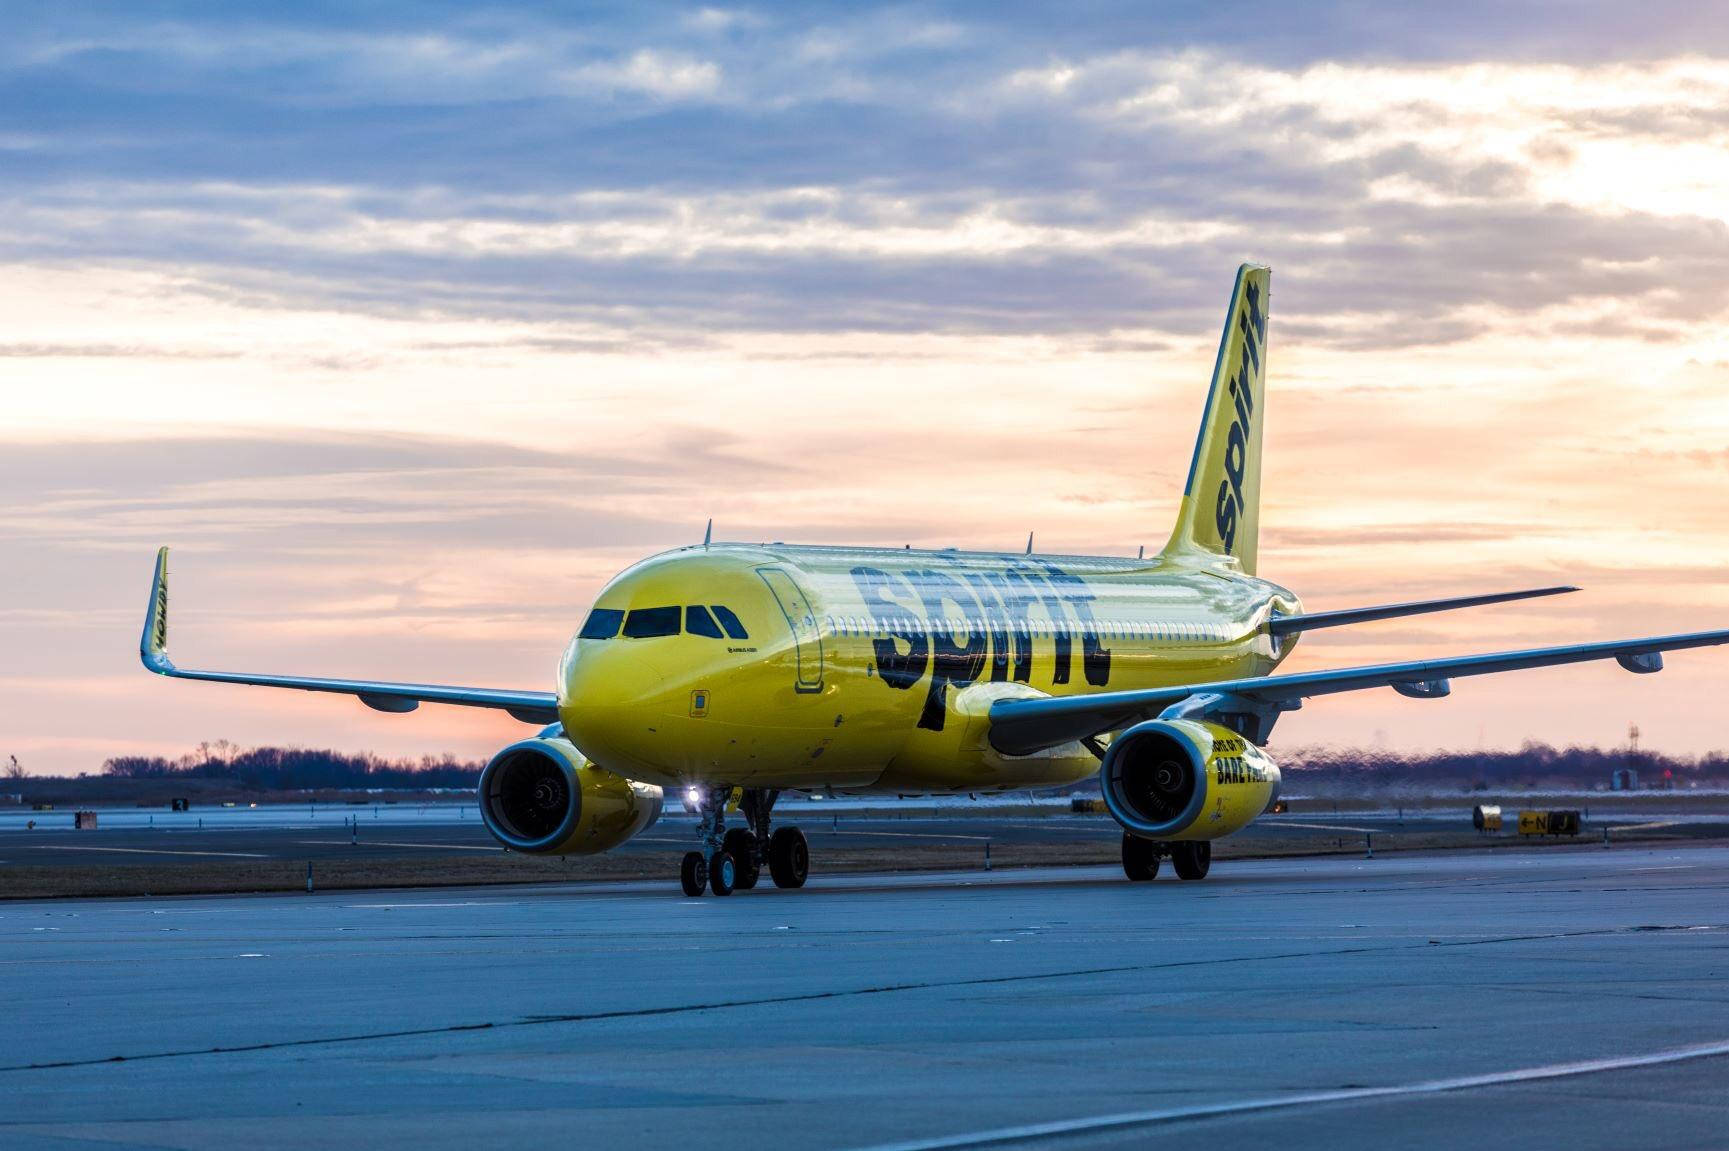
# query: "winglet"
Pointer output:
{"type": "Point", "coordinates": [153, 646]}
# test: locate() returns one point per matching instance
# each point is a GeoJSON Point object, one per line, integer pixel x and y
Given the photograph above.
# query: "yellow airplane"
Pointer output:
{"type": "Point", "coordinates": [734, 671]}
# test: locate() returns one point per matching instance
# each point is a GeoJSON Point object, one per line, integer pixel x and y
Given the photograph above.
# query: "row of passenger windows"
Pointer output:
{"type": "Point", "coordinates": [863, 626]}
{"type": "Point", "coordinates": [648, 622]}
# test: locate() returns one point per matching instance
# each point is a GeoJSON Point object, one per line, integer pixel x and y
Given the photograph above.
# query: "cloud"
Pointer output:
{"type": "Point", "coordinates": [1432, 202]}
{"type": "Point", "coordinates": [670, 77]}
{"type": "Point", "coordinates": [107, 351]}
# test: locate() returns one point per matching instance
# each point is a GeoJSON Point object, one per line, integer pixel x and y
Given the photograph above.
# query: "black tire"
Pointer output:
{"type": "Point", "coordinates": [741, 845]}
{"type": "Point", "coordinates": [788, 857]}
{"type": "Point", "coordinates": [1192, 860]}
{"type": "Point", "coordinates": [693, 873]}
{"type": "Point", "coordinates": [1140, 858]}
{"type": "Point", "coordinates": [722, 873]}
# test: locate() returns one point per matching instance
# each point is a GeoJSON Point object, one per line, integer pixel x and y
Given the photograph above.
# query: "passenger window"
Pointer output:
{"type": "Point", "coordinates": [730, 622]}
{"type": "Point", "coordinates": [648, 622]}
{"type": "Point", "coordinates": [697, 621]}
{"type": "Point", "coordinates": [602, 623]}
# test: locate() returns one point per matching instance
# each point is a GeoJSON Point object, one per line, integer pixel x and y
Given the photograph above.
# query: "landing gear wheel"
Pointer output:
{"type": "Point", "coordinates": [741, 845]}
{"type": "Point", "coordinates": [693, 873]}
{"type": "Point", "coordinates": [788, 857]}
{"type": "Point", "coordinates": [1192, 860]}
{"type": "Point", "coordinates": [722, 873]}
{"type": "Point", "coordinates": [1140, 858]}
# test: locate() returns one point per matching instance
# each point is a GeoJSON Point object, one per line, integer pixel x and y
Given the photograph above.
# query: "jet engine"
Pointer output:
{"type": "Point", "coordinates": [1185, 779]}
{"type": "Point", "coordinates": [544, 797]}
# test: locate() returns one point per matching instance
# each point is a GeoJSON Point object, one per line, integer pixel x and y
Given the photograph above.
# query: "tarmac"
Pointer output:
{"type": "Point", "coordinates": [1570, 996]}
{"type": "Point", "coordinates": [132, 846]}
{"type": "Point", "coordinates": [289, 833]}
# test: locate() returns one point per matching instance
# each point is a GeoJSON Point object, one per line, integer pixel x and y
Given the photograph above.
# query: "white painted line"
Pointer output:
{"type": "Point", "coordinates": [1127, 1119]}
{"type": "Point", "coordinates": [143, 851]}
{"type": "Point", "coordinates": [1318, 826]}
{"type": "Point", "coordinates": [462, 903]}
{"type": "Point", "coordinates": [387, 843]}
{"type": "Point", "coordinates": [818, 829]}
{"type": "Point", "coordinates": [900, 834]}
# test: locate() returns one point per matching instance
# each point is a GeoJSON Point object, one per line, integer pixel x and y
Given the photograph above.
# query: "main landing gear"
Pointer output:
{"type": "Point", "coordinates": [732, 859]}
{"type": "Point", "coordinates": [1141, 858]}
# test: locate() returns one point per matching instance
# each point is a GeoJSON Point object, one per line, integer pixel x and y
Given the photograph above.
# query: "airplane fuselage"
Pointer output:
{"type": "Point", "coordinates": [872, 669]}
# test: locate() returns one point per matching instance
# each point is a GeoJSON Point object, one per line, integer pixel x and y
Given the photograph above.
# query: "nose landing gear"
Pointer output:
{"type": "Point", "coordinates": [732, 860]}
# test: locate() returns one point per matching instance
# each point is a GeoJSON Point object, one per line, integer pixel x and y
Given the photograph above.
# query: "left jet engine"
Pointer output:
{"type": "Point", "coordinates": [543, 797]}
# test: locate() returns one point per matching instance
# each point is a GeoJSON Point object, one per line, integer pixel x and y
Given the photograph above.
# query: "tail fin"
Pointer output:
{"type": "Point", "coordinates": [1220, 514]}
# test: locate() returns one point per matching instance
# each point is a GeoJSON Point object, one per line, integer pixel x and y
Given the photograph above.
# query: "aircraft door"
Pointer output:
{"type": "Point", "coordinates": [801, 617]}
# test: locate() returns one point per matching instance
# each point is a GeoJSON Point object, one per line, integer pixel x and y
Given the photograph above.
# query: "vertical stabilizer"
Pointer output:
{"type": "Point", "coordinates": [1220, 513]}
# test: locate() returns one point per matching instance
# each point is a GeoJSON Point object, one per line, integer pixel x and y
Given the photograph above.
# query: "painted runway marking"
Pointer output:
{"type": "Point", "coordinates": [1039, 1131]}
{"type": "Point", "coordinates": [389, 843]}
{"type": "Point", "coordinates": [143, 851]}
{"type": "Point", "coordinates": [899, 834]}
{"type": "Point", "coordinates": [462, 903]}
{"type": "Point", "coordinates": [1319, 826]}
{"type": "Point", "coordinates": [846, 831]}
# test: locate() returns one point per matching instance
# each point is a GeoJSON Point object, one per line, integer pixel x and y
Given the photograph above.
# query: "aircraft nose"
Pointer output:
{"type": "Point", "coordinates": [611, 703]}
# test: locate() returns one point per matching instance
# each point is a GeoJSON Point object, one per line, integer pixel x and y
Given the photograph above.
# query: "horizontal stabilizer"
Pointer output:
{"type": "Point", "coordinates": [1310, 621]}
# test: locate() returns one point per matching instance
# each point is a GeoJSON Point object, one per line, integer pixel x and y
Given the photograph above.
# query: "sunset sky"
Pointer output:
{"type": "Point", "coordinates": [408, 329]}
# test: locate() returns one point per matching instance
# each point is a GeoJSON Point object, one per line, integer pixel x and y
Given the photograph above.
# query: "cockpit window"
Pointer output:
{"type": "Point", "coordinates": [602, 623]}
{"type": "Point", "coordinates": [697, 621]}
{"type": "Point", "coordinates": [730, 622]}
{"type": "Point", "coordinates": [647, 622]}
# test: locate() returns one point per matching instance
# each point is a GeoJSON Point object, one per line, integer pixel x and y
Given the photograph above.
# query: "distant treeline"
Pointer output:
{"type": "Point", "coordinates": [1534, 765]}
{"type": "Point", "coordinates": [298, 768]}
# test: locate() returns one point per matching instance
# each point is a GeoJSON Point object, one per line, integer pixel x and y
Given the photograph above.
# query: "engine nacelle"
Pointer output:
{"type": "Point", "coordinates": [1185, 779]}
{"type": "Point", "coordinates": [541, 796]}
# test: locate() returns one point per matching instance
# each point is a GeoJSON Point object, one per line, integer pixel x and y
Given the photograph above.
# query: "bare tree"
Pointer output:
{"type": "Point", "coordinates": [14, 770]}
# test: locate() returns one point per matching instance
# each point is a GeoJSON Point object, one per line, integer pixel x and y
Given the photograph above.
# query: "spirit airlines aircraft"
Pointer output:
{"type": "Point", "coordinates": [736, 671]}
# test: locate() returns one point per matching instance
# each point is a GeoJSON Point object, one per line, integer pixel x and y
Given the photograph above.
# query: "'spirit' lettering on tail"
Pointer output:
{"type": "Point", "coordinates": [1252, 322]}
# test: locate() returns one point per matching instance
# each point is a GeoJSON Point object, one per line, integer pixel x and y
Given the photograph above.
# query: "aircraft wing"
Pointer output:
{"type": "Point", "coordinates": [1023, 726]}
{"type": "Point", "coordinates": [537, 707]}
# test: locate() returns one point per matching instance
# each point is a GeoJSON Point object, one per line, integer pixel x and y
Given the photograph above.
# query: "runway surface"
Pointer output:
{"type": "Point", "coordinates": [291, 834]}
{"type": "Point", "coordinates": [134, 845]}
{"type": "Point", "coordinates": [1574, 997]}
